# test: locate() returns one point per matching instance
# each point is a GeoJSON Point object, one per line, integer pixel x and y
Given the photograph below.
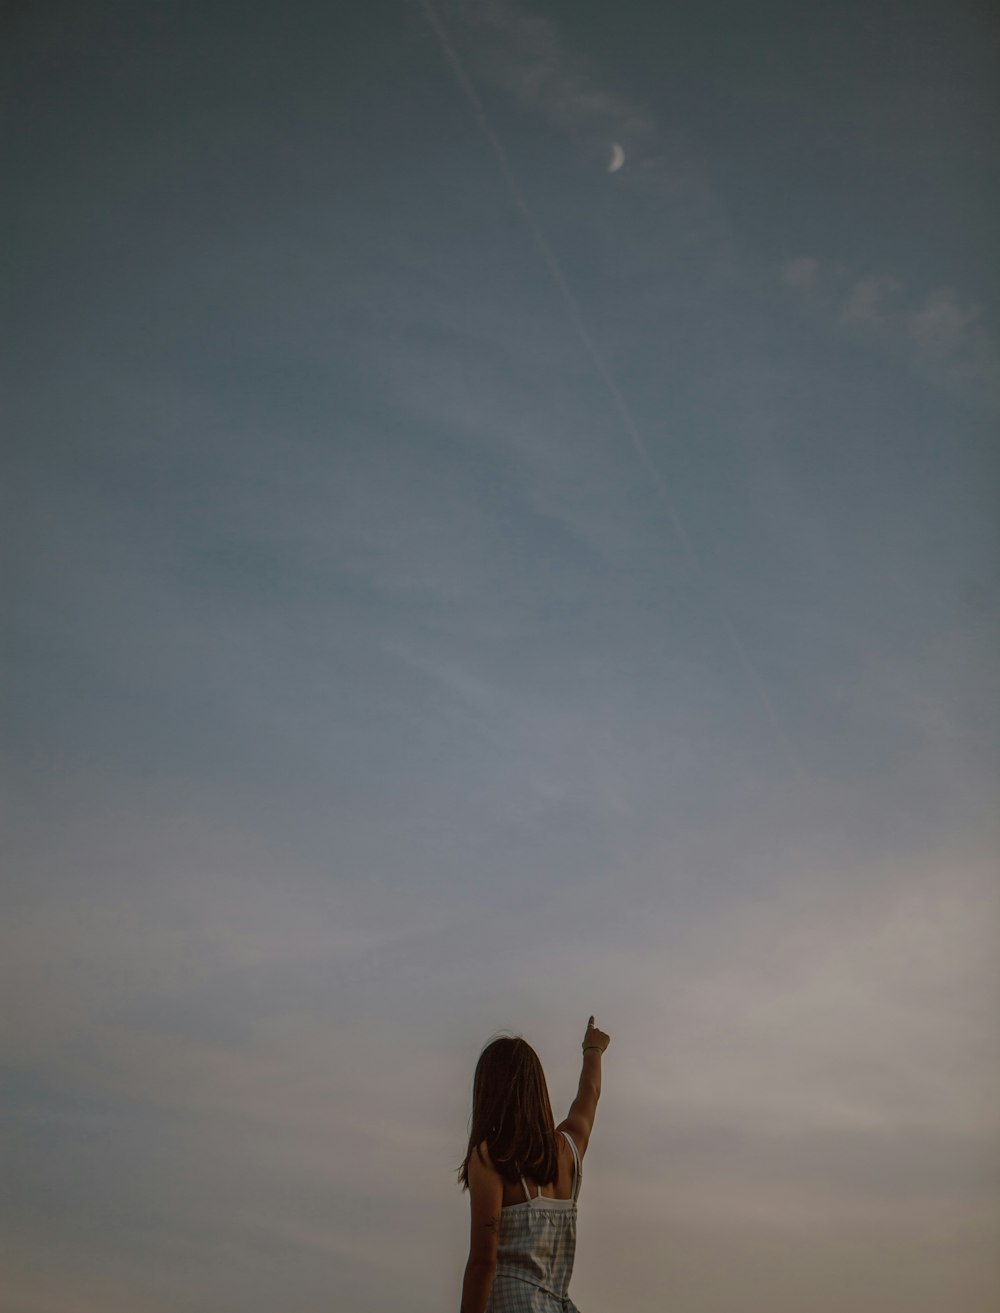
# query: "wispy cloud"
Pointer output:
{"type": "Point", "coordinates": [867, 302]}
{"type": "Point", "coordinates": [934, 331]}
{"type": "Point", "coordinates": [800, 272]}
{"type": "Point", "coordinates": [526, 56]}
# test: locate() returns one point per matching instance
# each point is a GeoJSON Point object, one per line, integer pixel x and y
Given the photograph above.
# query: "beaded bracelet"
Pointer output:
{"type": "Point", "coordinates": [592, 1046]}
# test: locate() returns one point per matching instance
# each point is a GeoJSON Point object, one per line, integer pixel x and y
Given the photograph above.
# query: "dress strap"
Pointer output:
{"type": "Point", "coordinates": [577, 1168]}
{"type": "Point", "coordinates": [524, 1187]}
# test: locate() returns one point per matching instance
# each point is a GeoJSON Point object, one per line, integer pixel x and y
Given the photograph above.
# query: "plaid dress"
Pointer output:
{"type": "Point", "coordinates": [535, 1252]}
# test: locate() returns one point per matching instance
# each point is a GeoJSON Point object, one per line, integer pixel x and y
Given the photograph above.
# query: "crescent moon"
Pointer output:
{"type": "Point", "coordinates": [617, 158]}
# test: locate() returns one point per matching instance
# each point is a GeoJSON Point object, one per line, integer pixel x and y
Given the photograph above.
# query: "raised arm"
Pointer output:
{"type": "Point", "coordinates": [580, 1121]}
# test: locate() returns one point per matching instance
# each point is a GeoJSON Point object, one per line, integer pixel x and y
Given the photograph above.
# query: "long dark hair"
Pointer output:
{"type": "Point", "coordinates": [512, 1113]}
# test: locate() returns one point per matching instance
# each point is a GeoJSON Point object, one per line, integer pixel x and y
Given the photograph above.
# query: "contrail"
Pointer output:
{"type": "Point", "coordinates": [576, 318]}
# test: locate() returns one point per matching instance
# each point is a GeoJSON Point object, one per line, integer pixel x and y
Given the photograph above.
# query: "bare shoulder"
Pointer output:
{"type": "Point", "coordinates": [481, 1164]}
{"type": "Point", "coordinates": [578, 1133]}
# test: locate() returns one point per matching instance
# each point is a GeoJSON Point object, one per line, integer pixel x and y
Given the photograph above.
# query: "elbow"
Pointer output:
{"type": "Point", "coordinates": [483, 1269]}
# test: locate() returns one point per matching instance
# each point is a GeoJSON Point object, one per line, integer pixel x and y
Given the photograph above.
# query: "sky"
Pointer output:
{"type": "Point", "coordinates": [454, 587]}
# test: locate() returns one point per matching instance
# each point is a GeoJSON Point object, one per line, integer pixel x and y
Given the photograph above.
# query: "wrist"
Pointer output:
{"type": "Point", "coordinates": [588, 1047]}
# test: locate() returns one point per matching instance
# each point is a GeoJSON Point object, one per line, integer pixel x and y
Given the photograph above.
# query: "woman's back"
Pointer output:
{"type": "Point", "coordinates": [524, 1175]}
{"type": "Point", "coordinates": [513, 1192]}
{"type": "Point", "coordinates": [536, 1247]}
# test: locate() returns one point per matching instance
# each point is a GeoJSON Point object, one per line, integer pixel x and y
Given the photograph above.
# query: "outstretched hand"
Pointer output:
{"type": "Point", "coordinates": [595, 1036]}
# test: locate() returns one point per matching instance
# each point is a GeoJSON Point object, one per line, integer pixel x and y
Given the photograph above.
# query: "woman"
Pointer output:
{"type": "Point", "coordinates": [523, 1177]}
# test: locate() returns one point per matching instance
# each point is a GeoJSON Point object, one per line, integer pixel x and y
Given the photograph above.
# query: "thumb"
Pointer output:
{"type": "Point", "coordinates": [590, 1022]}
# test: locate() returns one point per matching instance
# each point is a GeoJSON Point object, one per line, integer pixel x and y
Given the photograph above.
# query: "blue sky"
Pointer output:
{"type": "Point", "coordinates": [455, 587]}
